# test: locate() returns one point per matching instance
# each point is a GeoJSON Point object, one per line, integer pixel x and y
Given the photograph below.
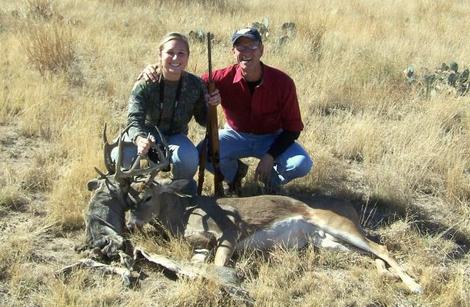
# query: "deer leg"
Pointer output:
{"type": "Point", "coordinates": [200, 255]}
{"type": "Point", "coordinates": [382, 252]}
{"type": "Point", "coordinates": [382, 269]}
{"type": "Point", "coordinates": [352, 234]}
{"type": "Point", "coordinates": [327, 241]}
{"type": "Point", "coordinates": [225, 248]}
{"type": "Point", "coordinates": [202, 243]}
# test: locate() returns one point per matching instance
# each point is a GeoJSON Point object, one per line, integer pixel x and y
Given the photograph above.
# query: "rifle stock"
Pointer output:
{"type": "Point", "coordinates": [202, 165]}
{"type": "Point", "coordinates": [211, 142]}
{"type": "Point", "coordinates": [214, 150]}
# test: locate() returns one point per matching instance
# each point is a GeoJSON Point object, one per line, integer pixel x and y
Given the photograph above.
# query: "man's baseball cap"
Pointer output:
{"type": "Point", "coordinates": [248, 32]}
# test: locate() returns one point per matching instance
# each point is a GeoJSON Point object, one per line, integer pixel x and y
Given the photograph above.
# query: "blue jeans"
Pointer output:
{"type": "Point", "coordinates": [184, 159]}
{"type": "Point", "coordinates": [293, 163]}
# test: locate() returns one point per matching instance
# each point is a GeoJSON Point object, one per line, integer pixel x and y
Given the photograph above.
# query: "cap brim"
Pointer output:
{"type": "Point", "coordinates": [249, 36]}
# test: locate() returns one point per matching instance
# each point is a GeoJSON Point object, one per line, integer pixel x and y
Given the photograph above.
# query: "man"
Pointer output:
{"type": "Point", "coordinates": [262, 117]}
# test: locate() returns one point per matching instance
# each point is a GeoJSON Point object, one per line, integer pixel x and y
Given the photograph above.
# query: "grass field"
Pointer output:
{"type": "Point", "coordinates": [398, 150]}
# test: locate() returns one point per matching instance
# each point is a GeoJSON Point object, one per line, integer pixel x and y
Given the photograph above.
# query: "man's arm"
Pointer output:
{"type": "Point", "coordinates": [149, 73]}
{"type": "Point", "coordinates": [291, 119]}
{"type": "Point", "coordinates": [282, 142]}
{"type": "Point", "coordinates": [291, 125]}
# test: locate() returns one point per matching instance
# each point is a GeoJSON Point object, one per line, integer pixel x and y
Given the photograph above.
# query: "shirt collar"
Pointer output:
{"type": "Point", "coordinates": [239, 76]}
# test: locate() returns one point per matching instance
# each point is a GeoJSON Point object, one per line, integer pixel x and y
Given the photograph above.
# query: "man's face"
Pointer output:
{"type": "Point", "coordinates": [248, 53]}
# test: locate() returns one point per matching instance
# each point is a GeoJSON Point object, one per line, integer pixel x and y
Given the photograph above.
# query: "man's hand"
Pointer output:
{"type": "Point", "coordinates": [149, 73]}
{"type": "Point", "coordinates": [144, 144]}
{"type": "Point", "coordinates": [264, 169]}
{"type": "Point", "coordinates": [213, 99]}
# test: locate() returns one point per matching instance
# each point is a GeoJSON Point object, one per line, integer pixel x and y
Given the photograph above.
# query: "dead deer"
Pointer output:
{"type": "Point", "coordinates": [113, 194]}
{"type": "Point", "coordinates": [258, 222]}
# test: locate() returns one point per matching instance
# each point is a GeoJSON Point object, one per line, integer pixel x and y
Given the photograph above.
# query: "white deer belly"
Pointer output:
{"type": "Point", "coordinates": [292, 232]}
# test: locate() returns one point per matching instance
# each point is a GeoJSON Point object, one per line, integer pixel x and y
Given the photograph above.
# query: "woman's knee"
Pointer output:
{"type": "Point", "coordinates": [185, 162]}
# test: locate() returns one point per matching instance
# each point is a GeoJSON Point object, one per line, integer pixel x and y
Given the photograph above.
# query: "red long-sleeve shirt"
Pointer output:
{"type": "Point", "coordinates": [272, 106]}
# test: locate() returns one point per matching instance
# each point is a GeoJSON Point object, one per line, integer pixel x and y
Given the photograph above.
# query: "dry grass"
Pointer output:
{"type": "Point", "coordinates": [49, 48]}
{"type": "Point", "coordinates": [12, 198]}
{"type": "Point", "coordinates": [67, 67]}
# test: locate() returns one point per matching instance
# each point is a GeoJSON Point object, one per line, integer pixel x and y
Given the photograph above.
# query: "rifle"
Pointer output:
{"type": "Point", "coordinates": [211, 141]}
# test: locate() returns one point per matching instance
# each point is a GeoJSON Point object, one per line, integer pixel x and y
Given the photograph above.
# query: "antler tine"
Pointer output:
{"type": "Point", "coordinates": [135, 170]}
{"type": "Point", "coordinates": [143, 171]}
{"type": "Point", "coordinates": [120, 173]}
{"type": "Point", "coordinates": [108, 162]}
{"type": "Point", "coordinates": [164, 157]}
{"type": "Point", "coordinates": [165, 162]}
{"type": "Point", "coordinates": [162, 139]}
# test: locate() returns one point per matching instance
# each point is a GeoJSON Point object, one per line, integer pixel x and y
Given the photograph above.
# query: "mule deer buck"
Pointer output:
{"type": "Point", "coordinates": [257, 222]}
{"type": "Point", "coordinates": [113, 194]}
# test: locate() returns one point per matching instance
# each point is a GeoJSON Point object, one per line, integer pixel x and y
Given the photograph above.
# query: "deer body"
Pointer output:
{"type": "Point", "coordinates": [112, 195]}
{"type": "Point", "coordinates": [258, 222]}
{"type": "Point", "coordinates": [223, 224]}
{"type": "Point", "coordinates": [105, 216]}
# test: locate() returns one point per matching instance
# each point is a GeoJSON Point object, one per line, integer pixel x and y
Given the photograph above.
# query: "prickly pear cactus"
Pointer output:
{"type": "Point", "coordinates": [446, 79]}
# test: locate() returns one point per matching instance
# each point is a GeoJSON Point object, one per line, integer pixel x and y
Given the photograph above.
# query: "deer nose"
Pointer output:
{"type": "Point", "coordinates": [133, 225]}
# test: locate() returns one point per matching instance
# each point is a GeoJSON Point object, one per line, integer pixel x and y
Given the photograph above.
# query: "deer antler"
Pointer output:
{"type": "Point", "coordinates": [134, 170]}
{"type": "Point", "coordinates": [108, 162]}
{"type": "Point", "coordinates": [162, 156]}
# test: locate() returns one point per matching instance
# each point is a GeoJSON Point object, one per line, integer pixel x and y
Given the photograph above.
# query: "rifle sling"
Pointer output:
{"type": "Point", "coordinates": [175, 104]}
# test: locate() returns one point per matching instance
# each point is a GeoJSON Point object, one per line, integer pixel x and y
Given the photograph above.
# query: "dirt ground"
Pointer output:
{"type": "Point", "coordinates": [26, 222]}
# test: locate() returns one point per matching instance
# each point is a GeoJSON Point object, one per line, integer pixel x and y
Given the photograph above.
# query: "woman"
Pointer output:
{"type": "Point", "coordinates": [169, 104]}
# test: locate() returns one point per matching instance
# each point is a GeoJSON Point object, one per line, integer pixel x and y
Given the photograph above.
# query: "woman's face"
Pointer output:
{"type": "Point", "coordinates": [174, 56]}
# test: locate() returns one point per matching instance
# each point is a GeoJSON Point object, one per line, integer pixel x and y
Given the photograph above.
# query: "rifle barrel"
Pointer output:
{"type": "Point", "coordinates": [209, 55]}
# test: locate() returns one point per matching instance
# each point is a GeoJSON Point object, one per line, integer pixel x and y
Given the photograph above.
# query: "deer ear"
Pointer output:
{"type": "Point", "coordinates": [178, 185]}
{"type": "Point", "coordinates": [138, 186]}
{"type": "Point", "coordinates": [92, 184]}
{"type": "Point", "coordinates": [174, 187]}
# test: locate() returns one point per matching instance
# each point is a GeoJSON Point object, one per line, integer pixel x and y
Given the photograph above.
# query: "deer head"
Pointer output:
{"type": "Point", "coordinates": [153, 198]}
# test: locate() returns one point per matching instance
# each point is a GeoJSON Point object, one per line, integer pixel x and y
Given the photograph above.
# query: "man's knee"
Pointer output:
{"type": "Point", "coordinates": [303, 166]}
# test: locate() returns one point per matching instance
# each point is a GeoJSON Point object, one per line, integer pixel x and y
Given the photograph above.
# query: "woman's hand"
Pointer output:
{"type": "Point", "coordinates": [144, 144]}
{"type": "Point", "coordinates": [214, 99]}
{"type": "Point", "coordinates": [149, 73]}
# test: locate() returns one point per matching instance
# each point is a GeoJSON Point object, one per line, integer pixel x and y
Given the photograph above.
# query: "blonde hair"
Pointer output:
{"type": "Point", "coordinates": [165, 39]}
{"type": "Point", "coordinates": [173, 36]}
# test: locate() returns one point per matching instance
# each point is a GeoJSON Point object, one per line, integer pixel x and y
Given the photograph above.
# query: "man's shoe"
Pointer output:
{"type": "Point", "coordinates": [235, 187]}
{"type": "Point", "coordinates": [271, 190]}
